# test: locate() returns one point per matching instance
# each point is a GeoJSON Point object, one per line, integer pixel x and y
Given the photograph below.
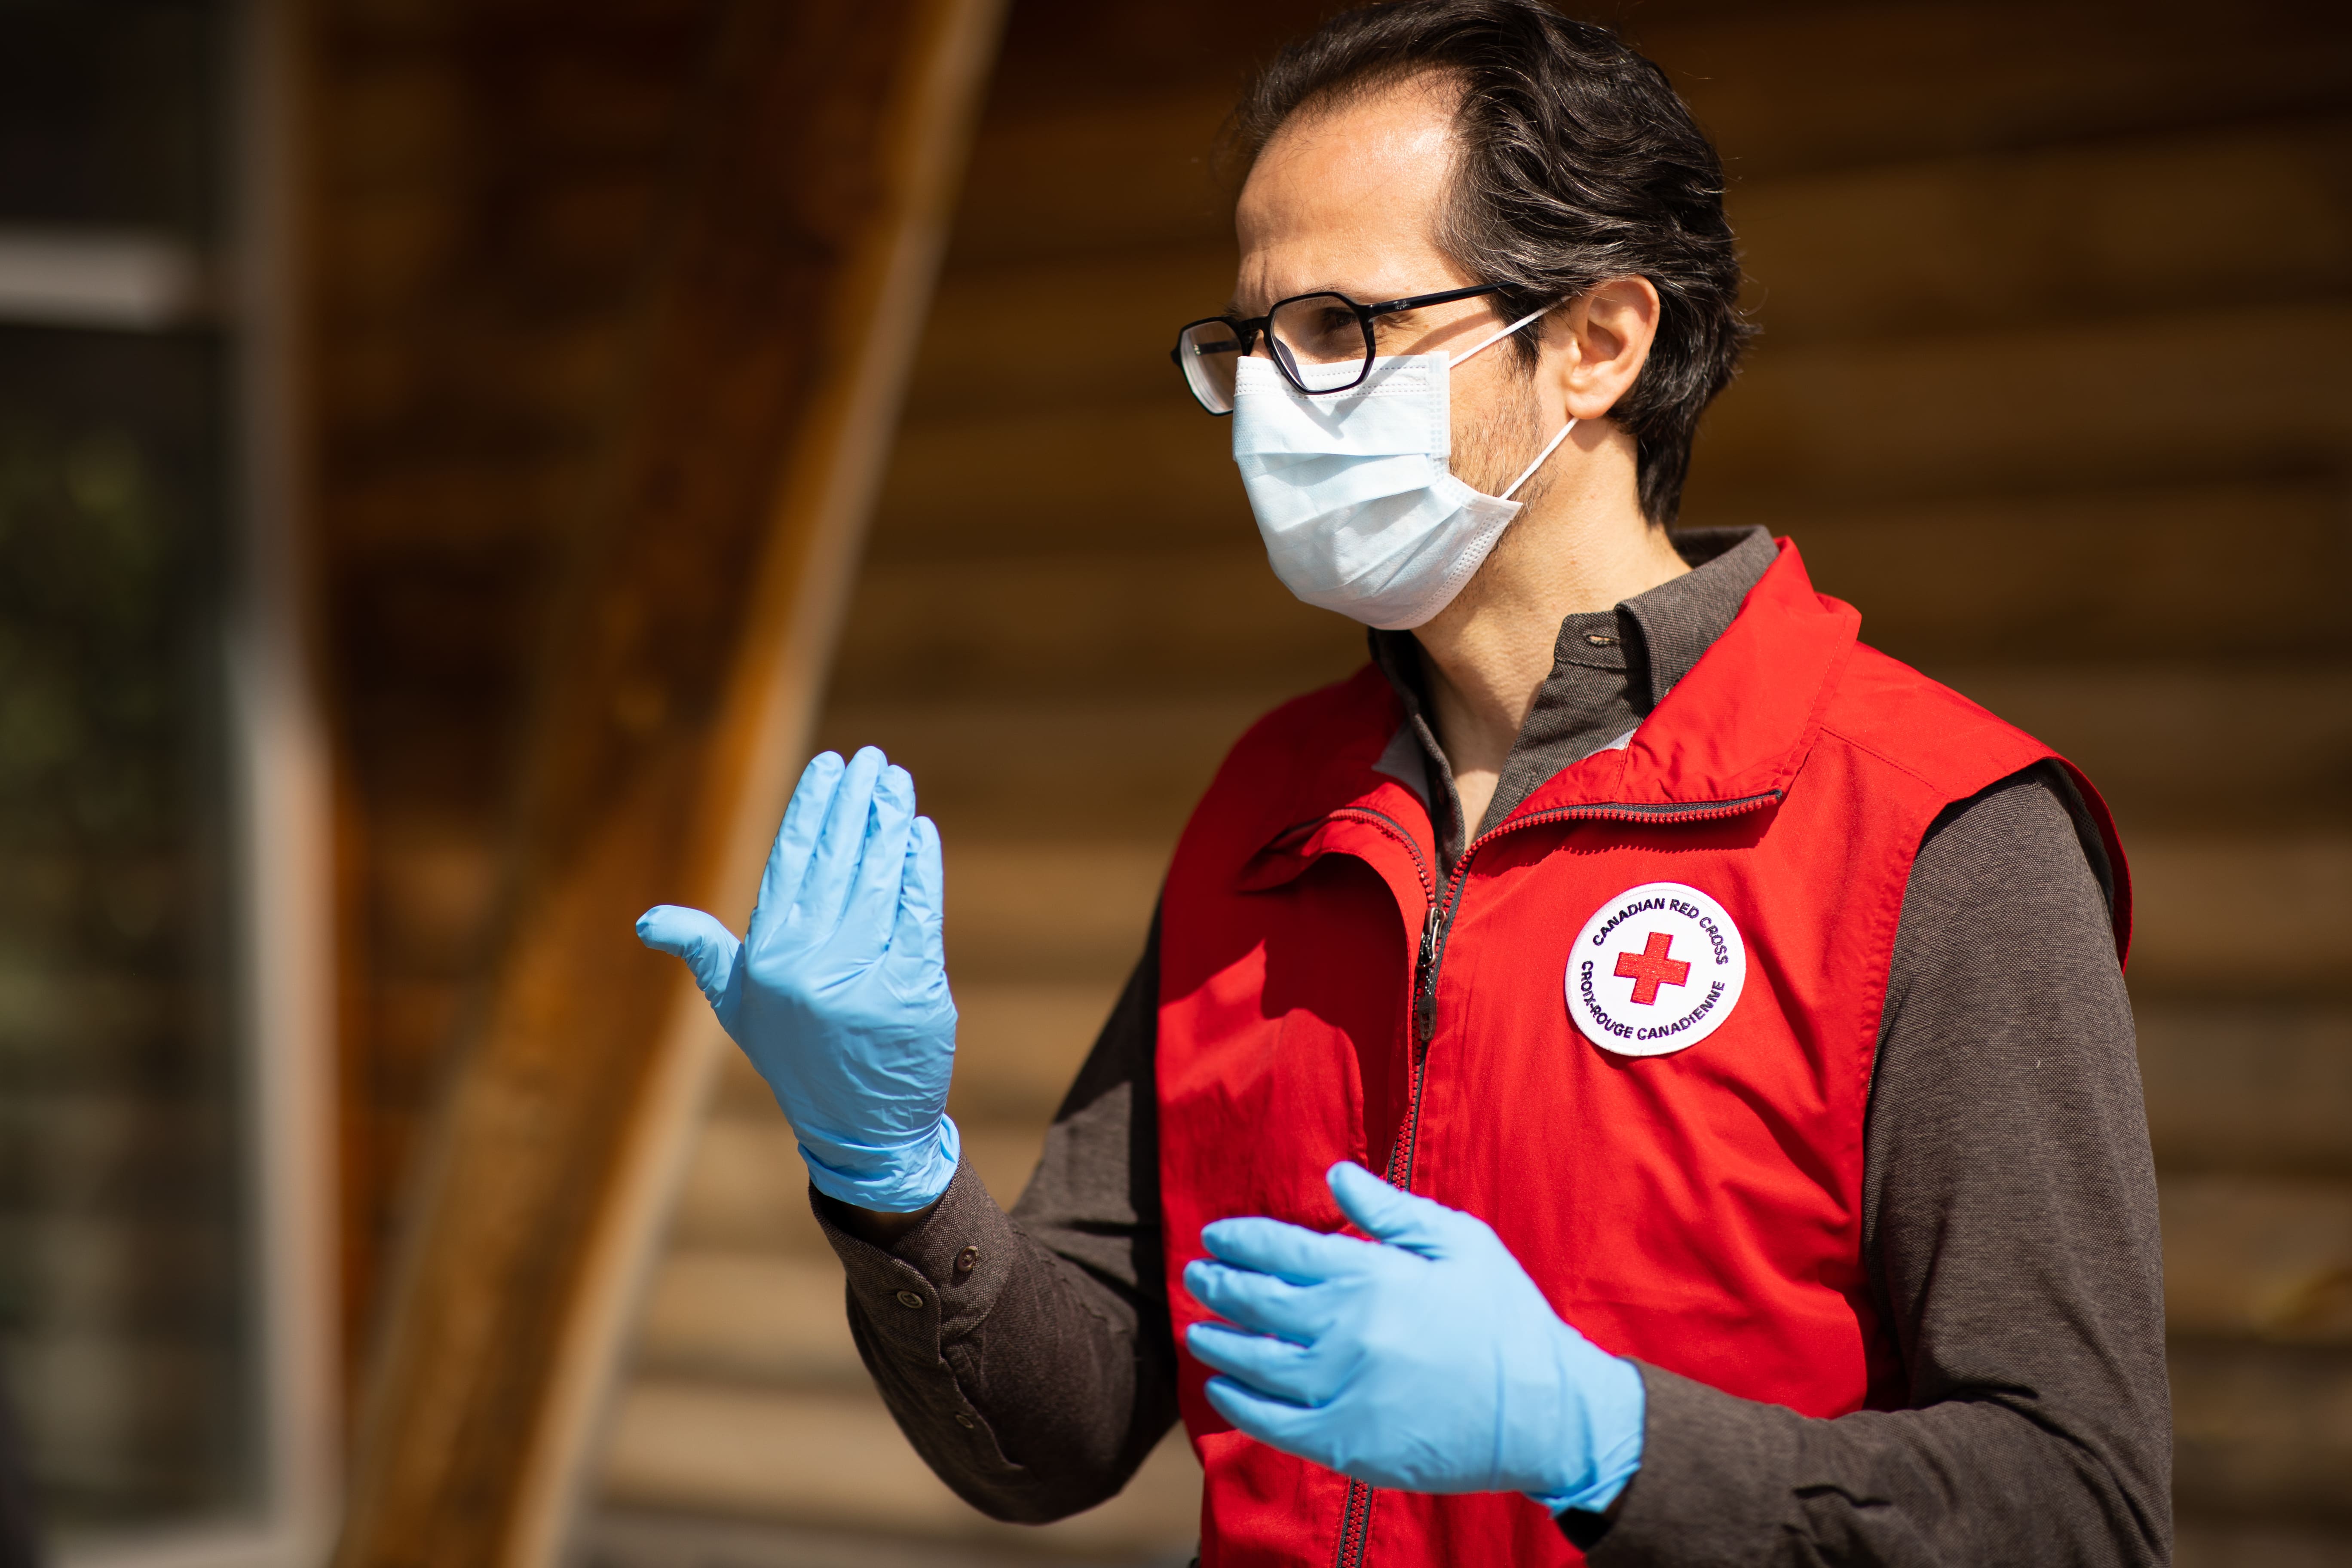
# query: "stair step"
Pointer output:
{"type": "Point", "coordinates": [1064, 911]}
{"type": "Point", "coordinates": [747, 1190]}
{"type": "Point", "coordinates": [2255, 1086]}
{"type": "Point", "coordinates": [1893, 420]}
{"type": "Point", "coordinates": [1131, 626]}
{"type": "Point", "coordinates": [2147, 735]}
{"type": "Point", "coordinates": [2258, 1258]}
{"type": "Point", "coordinates": [1053, 768]}
{"type": "Point", "coordinates": [750, 1317]}
{"type": "Point", "coordinates": [1037, 764]}
{"type": "Point", "coordinates": [2262, 1430]}
{"type": "Point", "coordinates": [2252, 917]}
{"type": "Point", "coordinates": [1019, 1046]}
{"type": "Point", "coordinates": [837, 1458]}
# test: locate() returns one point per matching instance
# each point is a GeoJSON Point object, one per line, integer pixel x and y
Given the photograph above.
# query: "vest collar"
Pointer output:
{"type": "Point", "coordinates": [1730, 737]}
{"type": "Point", "coordinates": [1740, 724]}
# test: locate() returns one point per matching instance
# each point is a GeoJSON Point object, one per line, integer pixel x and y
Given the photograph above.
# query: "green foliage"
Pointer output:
{"type": "Point", "coordinates": [88, 636]}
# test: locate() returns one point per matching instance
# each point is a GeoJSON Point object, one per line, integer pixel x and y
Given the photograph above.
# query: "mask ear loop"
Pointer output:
{"type": "Point", "coordinates": [1498, 337]}
{"type": "Point", "coordinates": [1529, 471]}
{"type": "Point", "coordinates": [1553, 446]}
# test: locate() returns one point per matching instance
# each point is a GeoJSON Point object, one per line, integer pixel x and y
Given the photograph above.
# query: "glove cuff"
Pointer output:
{"type": "Point", "coordinates": [895, 1179]}
{"type": "Point", "coordinates": [1616, 1406]}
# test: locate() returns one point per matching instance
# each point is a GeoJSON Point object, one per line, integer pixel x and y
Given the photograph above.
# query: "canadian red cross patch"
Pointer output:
{"type": "Point", "coordinates": [1658, 968]}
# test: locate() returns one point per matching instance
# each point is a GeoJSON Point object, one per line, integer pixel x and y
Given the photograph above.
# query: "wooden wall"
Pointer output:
{"type": "Point", "coordinates": [2056, 299]}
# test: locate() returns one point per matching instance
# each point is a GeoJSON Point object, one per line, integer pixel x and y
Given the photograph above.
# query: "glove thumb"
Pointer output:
{"type": "Point", "coordinates": [708, 947]}
{"type": "Point", "coordinates": [1385, 1213]}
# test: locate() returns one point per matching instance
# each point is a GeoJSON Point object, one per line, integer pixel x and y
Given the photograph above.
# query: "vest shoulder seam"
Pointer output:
{"type": "Point", "coordinates": [1873, 753]}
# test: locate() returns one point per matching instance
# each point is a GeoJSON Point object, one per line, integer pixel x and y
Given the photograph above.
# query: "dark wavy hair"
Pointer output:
{"type": "Point", "coordinates": [1579, 164]}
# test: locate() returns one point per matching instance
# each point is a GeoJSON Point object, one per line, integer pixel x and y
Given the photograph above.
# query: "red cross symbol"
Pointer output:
{"type": "Point", "coordinates": [1650, 968]}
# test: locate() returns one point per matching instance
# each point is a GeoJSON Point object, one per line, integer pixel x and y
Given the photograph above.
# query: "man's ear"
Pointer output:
{"type": "Point", "coordinates": [1606, 334]}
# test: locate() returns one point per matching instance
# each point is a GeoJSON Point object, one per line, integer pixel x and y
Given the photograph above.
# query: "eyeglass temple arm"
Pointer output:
{"type": "Point", "coordinates": [1443, 297]}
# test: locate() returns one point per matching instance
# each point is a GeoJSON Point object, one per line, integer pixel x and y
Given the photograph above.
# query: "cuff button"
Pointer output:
{"type": "Point", "coordinates": [907, 1299]}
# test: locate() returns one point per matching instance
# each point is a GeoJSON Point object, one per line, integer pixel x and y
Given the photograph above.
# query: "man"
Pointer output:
{"type": "Point", "coordinates": [1711, 1032]}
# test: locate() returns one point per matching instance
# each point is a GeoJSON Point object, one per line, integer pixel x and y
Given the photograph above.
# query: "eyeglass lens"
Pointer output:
{"type": "Point", "coordinates": [1318, 340]}
{"type": "Point", "coordinates": [1322, 342]}
{"type": "Point", "coordinates": [1209, 355]}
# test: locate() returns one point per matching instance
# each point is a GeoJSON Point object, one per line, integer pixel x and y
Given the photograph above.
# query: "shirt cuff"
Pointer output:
{"type": "Point", "coordinates": [937, 1282]}
{"type": "Point", "coordinates": [1713, 1477]}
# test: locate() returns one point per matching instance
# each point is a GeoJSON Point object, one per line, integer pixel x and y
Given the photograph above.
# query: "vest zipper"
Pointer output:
{"type": "Point", "coordinates": [1355, 1525]}
{"type": "Point", "coordinates": [1440, 927]}
{"type": "Point", "coordinates": [1356, 1512]}
{"type": "Point", "coordinates": [1425, 995]}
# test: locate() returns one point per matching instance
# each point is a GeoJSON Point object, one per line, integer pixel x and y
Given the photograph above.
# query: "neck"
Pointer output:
{"type": "Point", "coordinates": [1581, 546]}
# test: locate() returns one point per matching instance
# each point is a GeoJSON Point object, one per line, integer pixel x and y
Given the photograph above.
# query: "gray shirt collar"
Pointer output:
{"type": "Point", "coordinates": [1610, 669]}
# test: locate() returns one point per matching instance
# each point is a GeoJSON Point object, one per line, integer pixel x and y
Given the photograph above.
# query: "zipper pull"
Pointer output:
{"type": "Point", "coordinates": [1424, 987]}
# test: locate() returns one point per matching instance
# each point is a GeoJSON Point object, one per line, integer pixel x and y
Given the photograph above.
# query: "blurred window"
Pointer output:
{"type": "Point", "coordinates": [129, 1301]}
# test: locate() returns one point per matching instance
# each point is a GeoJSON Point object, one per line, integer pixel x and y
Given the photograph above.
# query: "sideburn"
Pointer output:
{"type": "Point", "coordinates": [1492, 454]}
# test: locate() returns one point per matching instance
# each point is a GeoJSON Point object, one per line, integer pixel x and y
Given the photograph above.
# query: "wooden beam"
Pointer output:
{"type": "Point", "coordinates": [690, 648]}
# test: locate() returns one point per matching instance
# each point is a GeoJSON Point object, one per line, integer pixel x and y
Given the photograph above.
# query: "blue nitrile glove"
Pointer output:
{"type": "Point", "coordinates": [839, 991]}
{"type": "Point", "coordinates": [1426, 1360]}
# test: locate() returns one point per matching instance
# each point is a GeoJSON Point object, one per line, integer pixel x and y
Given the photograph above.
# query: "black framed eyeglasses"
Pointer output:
{"type": "Point", "coordinates": [1322, 342]}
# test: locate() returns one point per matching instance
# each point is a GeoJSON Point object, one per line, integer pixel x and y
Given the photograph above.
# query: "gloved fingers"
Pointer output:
{"type": "Point", "coordinates": [708, 947]}
{"type": "Point", "coordinates": [1293, 1429]}
{"type": "Point", "coordinates": [1276, 1367]}
{"type": "Point", "coordinates": [872, 911]}
{"type": "Point", "coordinates": [788, 859]}
{"type": "Point", "coordinates": [1260, 1302]}
{"type": "Point", "coordinates": [1292, 1251]}
{"type": "Point", "coordinates": [919, 936]}
{"type": "Point", "coordinates": [1398, 1218]}
{"type": "Point", "coordinates": [824, 894]}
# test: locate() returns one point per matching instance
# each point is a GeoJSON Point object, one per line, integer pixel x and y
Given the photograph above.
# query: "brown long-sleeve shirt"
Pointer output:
{"type": "Point", "coordinates": [2009, 1197]}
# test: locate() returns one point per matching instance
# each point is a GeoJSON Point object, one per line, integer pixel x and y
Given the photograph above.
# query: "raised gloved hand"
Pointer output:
{"type": "Point", "coordinates": [1426, 1360]}
{"type": "Point", "coordinates": [839, 991]}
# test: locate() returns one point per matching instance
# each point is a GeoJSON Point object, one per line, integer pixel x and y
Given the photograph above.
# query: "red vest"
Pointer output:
{"type": "Point", "coordinates": [1700, 1210]}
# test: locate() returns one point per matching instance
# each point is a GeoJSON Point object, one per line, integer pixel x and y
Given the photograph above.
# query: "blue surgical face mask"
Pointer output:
{"type": "Point", "coordinates": [1360, 511]}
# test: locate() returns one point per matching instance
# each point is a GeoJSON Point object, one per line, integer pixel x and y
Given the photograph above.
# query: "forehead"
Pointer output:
{"type": "Point", "coordinates": [1348, 197]}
